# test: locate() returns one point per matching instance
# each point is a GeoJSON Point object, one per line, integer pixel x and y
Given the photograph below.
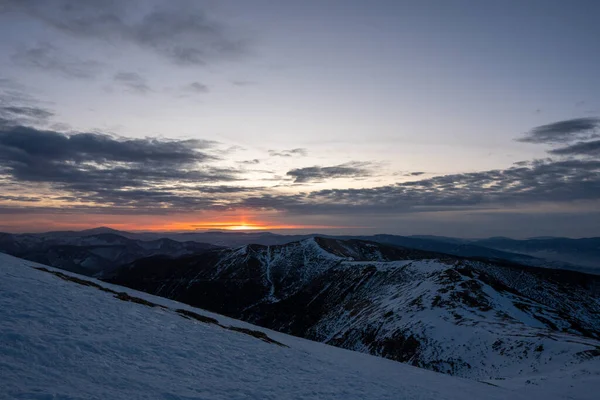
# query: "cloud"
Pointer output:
{"type": "Point", "coordinates": [299, 152]}
{"type": "Point", "coordinates": [196, 87]}
{"type": "Point", "coordinates": [95, 173]}
{"type": "Point", "coordinates": [250, 162]}
{"type": "Point", "coordinates": [13, 93]}
{"type": "Point", "coordinates": [564, 131]}
{"type": "Point", "coordinates": [227, 189]}
{"type": "Point", "coordinates": [555, 181]}
{"type": "Point", "coordinates": [13, 115]}
{"type": "Point", "coordinates": [29, 199]}
{"type": "Point", "coordinates": [107, 170]}
{"type": "Point", "coordinates": [243, 83]}
{"type": "Point", "coordinates": [179, 30]}
{"type": "Point", "coordinates": [133, 81]}
{"type": "Point", "coordinates": [17, 107]}
{"type": "Point", "coordinates": [47, 57]}
{"type": "Point", "coordinates": [317, 174]}
{"type": "Point", "coordinates": [588, 149]}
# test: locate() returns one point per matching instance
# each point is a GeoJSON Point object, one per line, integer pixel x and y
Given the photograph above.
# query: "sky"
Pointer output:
{"type": "Point", "coordinates": [449, 117]}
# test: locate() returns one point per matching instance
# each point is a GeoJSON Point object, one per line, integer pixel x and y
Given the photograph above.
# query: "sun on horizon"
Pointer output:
{"type": "Point", "coordinates": [245, 227]}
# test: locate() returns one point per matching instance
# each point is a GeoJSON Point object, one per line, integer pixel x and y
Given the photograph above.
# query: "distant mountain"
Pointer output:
{"type": "Point", "coordinates": [445, 239]}
{"type": "Point", "coordinates": [476, 319]}
{"type": "Point", "coordinates": [95, 254]}
{"type": "Point", "coordinates": [540, 238]}
{"type": "Point", "coordinates": [558, 253]}
{"type": "Point", "coordinates": [86, 232]}
{"type": "Point", "coordinates": [463, 248]}
{"type": "Point", "coordinates": [582, 252]}
{"type": "Point", "coordinates": [218, 238]}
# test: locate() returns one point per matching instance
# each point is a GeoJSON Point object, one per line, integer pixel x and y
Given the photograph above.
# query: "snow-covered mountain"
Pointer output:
{"type": "Point", "coordinates": [561, 253]}
{"type": "Point", "coordinates": [94, 254]}
{"type": "Point", "coordinates": [474, 319]}
{"type": "Point", "coordinates": [64, 337]}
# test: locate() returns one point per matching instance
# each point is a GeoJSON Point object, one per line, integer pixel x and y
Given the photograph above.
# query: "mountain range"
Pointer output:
{"type": "Point", "coordinates": [128, 345]}
{"type": "Point", "coordinates": [444, 304]}
{"type": "Point", "coordinates": [562, 253]}
{"type": "Point", "coordinates": [95, 254]}
{"type": "Point", "coordinates": [475, 319]}
{"type": "Point", "coordinates": [64, 337]}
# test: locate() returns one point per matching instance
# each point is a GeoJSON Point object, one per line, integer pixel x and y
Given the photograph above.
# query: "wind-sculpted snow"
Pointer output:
{"type": "Point", "coordinates": [457, 316]}
{"type": "Point", "coordinates": [64, 339]}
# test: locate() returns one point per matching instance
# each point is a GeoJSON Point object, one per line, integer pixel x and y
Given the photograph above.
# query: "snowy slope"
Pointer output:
{"type": "Point", "coordinates": [462, 317]}
{"type": "Point", "coordinates": [63, 340]}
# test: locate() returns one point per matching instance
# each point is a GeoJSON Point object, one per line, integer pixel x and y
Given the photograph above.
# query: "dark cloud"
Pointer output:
{"type": "Point", "coordinates": [299, 152]}
{"type": "Point", "coordinates": [409, 174]}
{"type": "Point", "coordinates": [17, 107]}
{"type": "Point", "coordinates": [12, 92]}
{"type": "Point", "coordinates": [588, 149]}
{"type": "Point", "coordinates": [29, 199]}
{"type": "Point", "coordinates": [106, 170]}
{"type": "Point", "coordinates": [544, 181]}
{"type": "Point", "coordinates": [564, 131]}
{"type": "Point", "coordinates": [30, 143]}
{"type": "Point", "coordinates": [90, 172]}
{"type": "Point", "coordinates": [156, 188]}
{"type": "Point", "coordinates": [227, 189]}
{"type": "Point", "coordinates": [14, 115]}
{"type": "Point", "coordinates": [250, 162]}
{"type": "Point", "coordinates": [47, 57]}
{"type": "Point", "coordinates": [179, 30]}
{"type": "Point", "coordinates": [197, 87]}
{"type": "Point", "coordinates": [316, 174]}
{"type": "Point", "coordinates": [133, 81]}
{"type": "Point", "coordinates": [155, 201]}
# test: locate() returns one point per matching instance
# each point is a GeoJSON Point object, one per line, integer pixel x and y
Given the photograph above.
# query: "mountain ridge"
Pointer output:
{"type": "Point", "coordinates": [403, 304]}
{"type": "Point", "coordinates": [61, 339]}
{"type": "Point", "coordinates": [562, 253]}
{"type": "Point", "coordinates": [96, 254]}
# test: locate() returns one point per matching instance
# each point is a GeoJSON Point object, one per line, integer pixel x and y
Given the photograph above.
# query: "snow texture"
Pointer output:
{"type": "Point", "coordinates": [61, 340]}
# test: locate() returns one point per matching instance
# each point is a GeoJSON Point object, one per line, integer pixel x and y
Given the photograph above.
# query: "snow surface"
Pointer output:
{"type": "Point", "coordinates": [61, 340]}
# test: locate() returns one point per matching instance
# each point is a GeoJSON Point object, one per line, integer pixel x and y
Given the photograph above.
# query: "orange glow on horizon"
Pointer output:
{"type": "Point", "coordinates": [246, 227]}
{"type": "Point", "coordinates": [237, 224]}
{"type": "Point", "coordinates": [196, 222]}
{"type": "Point", "coordinates": [231, 226]}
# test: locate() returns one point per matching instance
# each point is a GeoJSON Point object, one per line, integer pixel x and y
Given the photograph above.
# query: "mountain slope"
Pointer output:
{"type": "Point", "coordinates": [464, 248]}
{"type": "Point", "coordinates": [91, 255]}
{"type": "Point", "coordinates": [64, 340]}
{"type": "Point", "coordinates": [584, 252]}
{"type": "Point", "coordinates": [474, 319]}
{"type": "Point", "coordinates": [562, 253]}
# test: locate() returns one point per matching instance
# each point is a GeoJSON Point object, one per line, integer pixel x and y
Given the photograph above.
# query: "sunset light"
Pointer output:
{"type": "Point", "coordinates": [414, 181]}
{"type": "Point", "coordinates": [246, 228]}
